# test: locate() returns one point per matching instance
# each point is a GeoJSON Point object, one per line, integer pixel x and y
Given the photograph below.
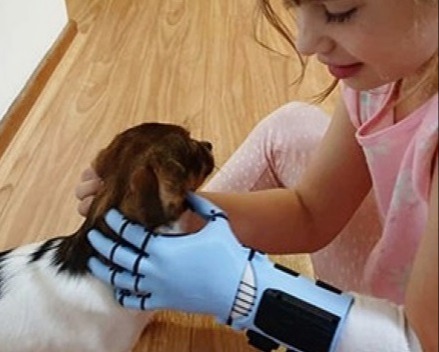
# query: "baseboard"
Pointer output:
{"type": "Point", "coordinates": [20, 108]}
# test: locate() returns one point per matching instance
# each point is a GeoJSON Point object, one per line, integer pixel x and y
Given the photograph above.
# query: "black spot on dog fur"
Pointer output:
{"type": "Point", "coordinates": [3, 257]}
{"type": "Point", "coordinates": [43, 249]}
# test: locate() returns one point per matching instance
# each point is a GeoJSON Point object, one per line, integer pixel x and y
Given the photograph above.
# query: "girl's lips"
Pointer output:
{"type": "Point", "coordinates": [346, 71]}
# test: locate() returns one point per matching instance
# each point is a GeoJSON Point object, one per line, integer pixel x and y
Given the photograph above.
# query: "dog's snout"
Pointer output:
{"type": "Point", "coordinates": [207, 145]}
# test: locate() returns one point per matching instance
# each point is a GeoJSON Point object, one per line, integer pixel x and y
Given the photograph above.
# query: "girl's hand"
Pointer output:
{"type": "Point", "coordinates": [197, 272]}
{"type": "Point", "coordinates": [87, 189]}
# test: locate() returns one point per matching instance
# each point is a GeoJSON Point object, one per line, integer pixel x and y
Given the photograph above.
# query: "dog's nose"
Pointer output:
{"type": "Point", "coordinates": [207, 145]}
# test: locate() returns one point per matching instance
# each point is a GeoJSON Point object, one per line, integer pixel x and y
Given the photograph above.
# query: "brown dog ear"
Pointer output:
{"type": "Point", "coordinates": [144, 181]}
{"type": "Point", "coordinates": [142, 202]}
{"type": "Point", "coordinates": [154, 198]}
{"type": "Point", "coordinates": [111, 157]}
{"type": "Point", "coordinates": [101, 164]}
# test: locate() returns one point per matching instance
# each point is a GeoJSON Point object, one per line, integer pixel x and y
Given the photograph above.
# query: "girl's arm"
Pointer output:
{"type": "Point", "coordinates": [308, 217]}
{"type": "Point", "coordinates": [303, 219]}
{"type": "Point", "coordinates": [422, 294]}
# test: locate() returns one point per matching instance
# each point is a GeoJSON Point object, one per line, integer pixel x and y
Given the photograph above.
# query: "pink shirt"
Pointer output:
{"type": "Point", "coordinates": [400, 158]}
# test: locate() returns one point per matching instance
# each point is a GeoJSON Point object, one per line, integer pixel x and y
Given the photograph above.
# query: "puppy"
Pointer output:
{"type": "Point", "coordinates": [48, 300]}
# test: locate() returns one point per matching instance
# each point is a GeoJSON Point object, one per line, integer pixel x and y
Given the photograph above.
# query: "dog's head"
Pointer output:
{"type": "Point", "coordinates": [148, 170]}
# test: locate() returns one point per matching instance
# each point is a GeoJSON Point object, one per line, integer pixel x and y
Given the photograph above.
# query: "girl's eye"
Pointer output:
{"type": "Point", "coordinates": [331, 17]}
{"type": "Point", "coordinates": [340, 17]}
{"type": "Point", "coordinates": [288, 4]}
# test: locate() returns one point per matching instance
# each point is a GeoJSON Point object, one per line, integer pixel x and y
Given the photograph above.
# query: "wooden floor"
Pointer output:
{"type": "Point", "coordinates": [192, 62]}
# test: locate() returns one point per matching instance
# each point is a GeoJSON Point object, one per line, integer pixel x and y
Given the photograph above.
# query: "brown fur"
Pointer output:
{"type": "Point", "coordinates": [146, 173]}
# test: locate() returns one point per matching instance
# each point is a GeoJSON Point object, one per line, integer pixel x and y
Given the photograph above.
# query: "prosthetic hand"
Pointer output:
{"type": "Point", "coordinates": [210, 272]}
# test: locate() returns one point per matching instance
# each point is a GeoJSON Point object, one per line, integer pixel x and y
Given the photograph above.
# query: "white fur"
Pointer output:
{"type": "Point", "coordinates": [42, 310]}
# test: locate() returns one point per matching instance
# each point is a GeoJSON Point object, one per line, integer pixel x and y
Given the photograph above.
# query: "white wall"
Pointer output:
{"type": "Point", "coordinates": [28, 28]}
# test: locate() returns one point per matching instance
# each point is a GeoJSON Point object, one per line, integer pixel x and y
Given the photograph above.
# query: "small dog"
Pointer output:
{"type": "Point", "coordinates": [48, 299]}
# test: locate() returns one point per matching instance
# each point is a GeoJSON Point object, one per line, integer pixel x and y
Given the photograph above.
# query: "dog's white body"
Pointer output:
{"type": "Point", "coordinates": [43, 310]}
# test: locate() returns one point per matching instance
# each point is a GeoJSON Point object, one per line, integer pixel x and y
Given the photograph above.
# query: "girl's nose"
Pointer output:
{"type": "Point", "coordinates": [311, 37]}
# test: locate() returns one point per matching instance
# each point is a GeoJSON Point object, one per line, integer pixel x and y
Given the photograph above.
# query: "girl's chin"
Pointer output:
{"type": "Point", "coordinates": [359, 84]}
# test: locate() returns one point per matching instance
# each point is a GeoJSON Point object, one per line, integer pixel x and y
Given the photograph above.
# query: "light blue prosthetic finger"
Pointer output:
{"type": "Point", "coordinates": [203, 207]}
{"type": "Point", "coordinates": [133, 301]}
{"type": "Point", "coordinates": [117, 277]}
{"type": "Point", "coordinates": [134, 234]}
{"type": "Point", "coordinates": [100, 270]}
{"type": "Point", "coordinates": [118, 254]}
{"type": "Point", "coordinates": [143, 301]}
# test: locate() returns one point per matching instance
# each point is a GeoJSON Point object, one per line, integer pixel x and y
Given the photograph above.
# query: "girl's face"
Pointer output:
{"type": "Point", "coordinates": [368, 43]}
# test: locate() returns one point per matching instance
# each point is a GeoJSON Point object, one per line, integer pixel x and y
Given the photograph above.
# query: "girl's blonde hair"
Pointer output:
{"type": "Point", "coordinates": [428, 79]}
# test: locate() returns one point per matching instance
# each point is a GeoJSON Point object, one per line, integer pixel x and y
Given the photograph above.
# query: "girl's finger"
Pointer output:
{"type": "Point", "coordinates": [89, 174]}
{"type": "Point", "coordinates": [84, 206]}
{"type": "Point", "coordinates": [87, 188]}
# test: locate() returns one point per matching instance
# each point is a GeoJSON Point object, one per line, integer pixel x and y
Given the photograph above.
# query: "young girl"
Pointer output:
{"type": "Point", "coordinates": [367, 201]}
